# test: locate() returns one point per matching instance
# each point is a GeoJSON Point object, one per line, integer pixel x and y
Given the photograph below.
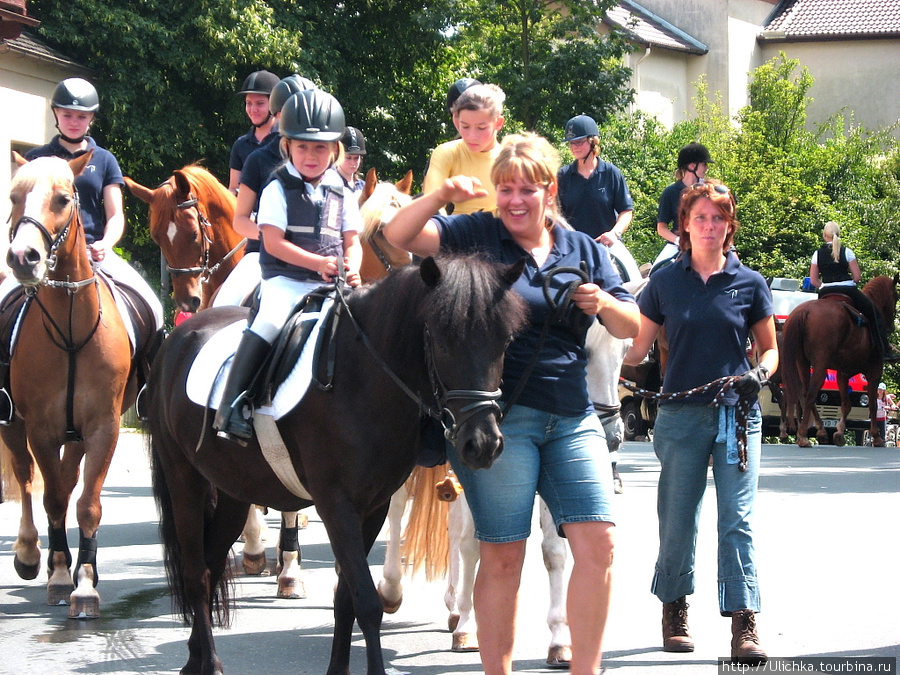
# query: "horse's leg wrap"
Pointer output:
{"type": "Point", "coordinates": [87, 555]}
{"type": "Point", "coordinates": [289, 541]}
{"type": "Point", "coordinates": [56, 541]}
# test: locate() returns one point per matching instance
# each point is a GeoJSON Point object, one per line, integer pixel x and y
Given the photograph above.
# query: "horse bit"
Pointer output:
{"type": "Point", "coordinates": [203, 270]}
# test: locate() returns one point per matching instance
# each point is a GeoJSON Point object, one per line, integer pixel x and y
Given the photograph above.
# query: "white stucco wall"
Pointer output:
{"type": "Point", "coordinates": [859, 77]}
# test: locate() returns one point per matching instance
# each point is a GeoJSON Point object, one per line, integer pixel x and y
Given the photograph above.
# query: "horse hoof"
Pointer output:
{"type": "Point", "coordinates": [389, 606]}
{"type": "Point", "coordinates": [254, 563]}
{"type": "Point", "coordinates": [618, 487]}
{"type": "Point", "coordinates": [84, 608]}
{"type": "Point", "coordinates": [839, 440]}
{"type": "Point", "coordinates": [803, 443]}
{"type": "Point", "coordinates": [453, 621]}
{"type": "Point", "coordinates": [559, 656]}
{"type": "Point", "coordinates": [59, 594]}
{"type": "Point", "coordinates": [25, 571]}
{"type": "Point", "coordinates": [291, 589]}
{"type": "Point", "coordinates": [465, 642]}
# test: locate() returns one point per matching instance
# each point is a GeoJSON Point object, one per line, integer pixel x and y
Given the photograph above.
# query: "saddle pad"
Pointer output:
{"type": "Point", "coordinates": [211, 366]}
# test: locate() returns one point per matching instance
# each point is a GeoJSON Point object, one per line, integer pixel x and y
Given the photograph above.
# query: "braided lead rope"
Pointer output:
{"type": "Point", "coordinates": [724, 384]}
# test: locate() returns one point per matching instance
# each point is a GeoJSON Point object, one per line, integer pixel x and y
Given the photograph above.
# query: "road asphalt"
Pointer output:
{"type": "Point", "coordinates": [828, 557]}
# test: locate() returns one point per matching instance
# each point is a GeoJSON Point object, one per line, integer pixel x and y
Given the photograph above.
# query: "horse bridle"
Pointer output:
{"type": "Point", "coordinates": [203, 270]}
{"type": "Point", "coordinates": [481, 400]}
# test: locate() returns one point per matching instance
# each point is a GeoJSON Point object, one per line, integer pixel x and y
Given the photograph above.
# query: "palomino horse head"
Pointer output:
{"type": "Point", "coordinates": [190, 219]}
{"type": "Point", "coordinates": [44, 217]}
{"type": "Point", "coordinates": [378, 202]}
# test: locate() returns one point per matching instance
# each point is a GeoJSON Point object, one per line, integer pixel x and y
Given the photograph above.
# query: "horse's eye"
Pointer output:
{"type": "Point", "coordinates": [62, 201]}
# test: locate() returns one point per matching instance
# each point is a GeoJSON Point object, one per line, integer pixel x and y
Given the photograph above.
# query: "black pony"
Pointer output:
{"type": "Point", "coordinates": [425, 338]}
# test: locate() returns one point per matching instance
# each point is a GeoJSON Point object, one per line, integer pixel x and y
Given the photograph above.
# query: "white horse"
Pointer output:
{"type": "Point", "coordinates": [605, 361]}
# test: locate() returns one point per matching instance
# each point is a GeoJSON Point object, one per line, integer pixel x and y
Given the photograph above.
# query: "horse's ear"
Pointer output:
{"type": "Point", "coordinates": [404, 185]}
{"type": "Point", "coordinates": [143, 193]}
{"type": "Point", "coordinates": [182, 186]}
{"type": "Point", "coordinates": [18, 159]}
{"type": "Point", "coordinates": [77, 165]}
{"type": "Point", "coordinates": [369, 187]}
{"type": "Point", "coordinates": [431, 273]}
{"type": "Point", "coordinates": [513, 272]}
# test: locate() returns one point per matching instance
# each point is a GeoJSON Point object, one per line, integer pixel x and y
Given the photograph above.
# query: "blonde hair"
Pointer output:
{"type": "Point", "coordinates": [528, 157]}
{"type": "Point", "coordinates": [337, 149]}
{"type": "Point", "coordinates": [833, 230]}
{"type": "Point", "coordinates": [487, 97]}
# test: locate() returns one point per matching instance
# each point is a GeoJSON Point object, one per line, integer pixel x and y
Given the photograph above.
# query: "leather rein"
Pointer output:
{"type": "Point", "coordinates": [65, 342]}
{"type": "Point", "coordinates": [203, 270]}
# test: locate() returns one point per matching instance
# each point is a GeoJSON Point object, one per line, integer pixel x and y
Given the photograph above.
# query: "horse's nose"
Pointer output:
{"type": "Point", "coordinates": [27, 256]}
{"type": "Point", "coordinates": [194, 303]}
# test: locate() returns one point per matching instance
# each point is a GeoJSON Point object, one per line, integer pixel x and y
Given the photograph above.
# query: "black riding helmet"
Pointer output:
{"type": "Point", "coordinates": [458, 88]}
{"type": "Point", "coordinates": [75, 93]}
{"type": "Point", "coordinates": [259, 82]}
{"type": "Point", "coordinates": [312, 115]}
{"type": "Point", "coordinates": [693, 153]}
{"type": "Point", "coordinates": [354, 141]}
{"type": "Point", "coordinates": [282, 91]}
{"type": "Point", "coordinates": [581, 126]}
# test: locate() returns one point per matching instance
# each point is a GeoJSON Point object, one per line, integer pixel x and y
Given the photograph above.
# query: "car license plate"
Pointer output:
{"type": "Point", "coordinates": [831, 424]}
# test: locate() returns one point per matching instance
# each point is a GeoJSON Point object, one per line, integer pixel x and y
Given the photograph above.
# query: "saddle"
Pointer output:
{"type": "Point", "coordinates": [292, 339]}
{"type": "Point", "coordinates": [858, 317]}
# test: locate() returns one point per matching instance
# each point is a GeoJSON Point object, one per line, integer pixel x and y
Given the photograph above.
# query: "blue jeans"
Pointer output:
{"type": "Point", "coordinates": [684, 439]}
{"type": "Point", "coordinates": [564, 459]}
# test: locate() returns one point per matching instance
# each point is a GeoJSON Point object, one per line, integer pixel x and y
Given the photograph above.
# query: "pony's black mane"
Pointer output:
{"type": "Point", "coordinates": [471, 296]}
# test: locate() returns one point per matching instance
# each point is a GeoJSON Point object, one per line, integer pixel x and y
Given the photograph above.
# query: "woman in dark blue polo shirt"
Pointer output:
{"type": "Point", "coordinates": [553, 442]}
{"type": "Point", "coordinates": [710, 304]}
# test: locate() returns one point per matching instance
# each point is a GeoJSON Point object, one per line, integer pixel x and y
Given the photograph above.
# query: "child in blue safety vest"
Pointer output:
{"type": "Point", "coordinates": [309, 224]}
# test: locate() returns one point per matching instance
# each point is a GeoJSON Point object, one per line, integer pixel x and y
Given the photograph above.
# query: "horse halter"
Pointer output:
{"type": "Point", "coordinates": [203, 270]}
{"type": "Point", "coordinates": [52, 243]}
{"type": "Point", "coordinates": [482, 401]}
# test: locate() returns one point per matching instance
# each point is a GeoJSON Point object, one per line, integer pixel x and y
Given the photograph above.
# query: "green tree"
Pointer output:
{"type": "Point", "coordinates": [549, 58]}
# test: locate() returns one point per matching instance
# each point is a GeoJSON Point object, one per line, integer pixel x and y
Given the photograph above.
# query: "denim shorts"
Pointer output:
{"type": "Point", "coordinates": [563, 459]}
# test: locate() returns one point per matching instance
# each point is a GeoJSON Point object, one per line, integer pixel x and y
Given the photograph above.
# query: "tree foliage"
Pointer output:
{"type": "Point", "coordinates": [549, 58]}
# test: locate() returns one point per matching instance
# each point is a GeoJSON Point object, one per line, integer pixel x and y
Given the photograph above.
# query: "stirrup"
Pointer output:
{"type": "Point", "coordinates": [7, 409]}
{"type": "Point", "coordinates": [234, 427]}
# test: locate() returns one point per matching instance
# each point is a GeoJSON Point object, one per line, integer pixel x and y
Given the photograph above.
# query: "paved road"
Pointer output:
{"type": "Point", "coordinates": [827, 536]}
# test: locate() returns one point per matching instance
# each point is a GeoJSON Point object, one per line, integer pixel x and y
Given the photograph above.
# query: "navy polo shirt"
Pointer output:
{"type": "Point", "coordinates": [669, 203]}
{"type": "Point", "coordinates": [592, 205]}
{"type": "Point", "coordinates": [558, 382]}
{"type": "Point", "coordinates": [102, 170]}
{"type": "Point", "coordinates": [707, 324]}
{"type": "Point", "coordinates": [246, 144]}
{"type": "Point", "coordinates": [257, 173]}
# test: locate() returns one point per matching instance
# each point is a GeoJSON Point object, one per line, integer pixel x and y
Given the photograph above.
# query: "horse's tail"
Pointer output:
{"type": "Point", "coordinates": [221, 600]}
{"type": "Point", "coordinates": [793, 335]}
{"type": "Point", "coordinates": [425, 540]}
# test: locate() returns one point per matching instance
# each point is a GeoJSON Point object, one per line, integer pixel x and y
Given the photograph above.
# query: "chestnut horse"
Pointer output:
{"type": "Point", "coordinates": [190, 220]}
{"type": "Point", "coordinates": [71, 377]}
{"type": "Point", "coordinates": [440, 328]}
{"type": "Point", "coordinates": [828, 334]}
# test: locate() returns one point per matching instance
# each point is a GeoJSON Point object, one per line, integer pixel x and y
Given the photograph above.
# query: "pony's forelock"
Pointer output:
{"type": "Point", "coordinates": [377, 210]}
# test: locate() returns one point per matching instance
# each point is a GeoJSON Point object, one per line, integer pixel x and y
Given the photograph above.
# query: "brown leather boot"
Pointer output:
{"type": "Point", "coordinates": [745, 648]}
{"type": "Point", "coordinates": [675, 628]}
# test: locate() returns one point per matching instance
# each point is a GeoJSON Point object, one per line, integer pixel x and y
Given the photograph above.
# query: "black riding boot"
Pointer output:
{"type": "Point", "coordinates": [7, 409]}
{"type": "Point", "coordinates": [230, 421]}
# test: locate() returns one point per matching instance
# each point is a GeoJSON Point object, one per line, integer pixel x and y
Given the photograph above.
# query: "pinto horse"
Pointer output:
{"type": "Point", "coordinates": [428, 337]}
{"type": "Point", "coordinates": [190, 220]}
{"type": "Point", "coordinates": [71, 377]}
{"type": "Point", "coordinates": [827, 334]}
